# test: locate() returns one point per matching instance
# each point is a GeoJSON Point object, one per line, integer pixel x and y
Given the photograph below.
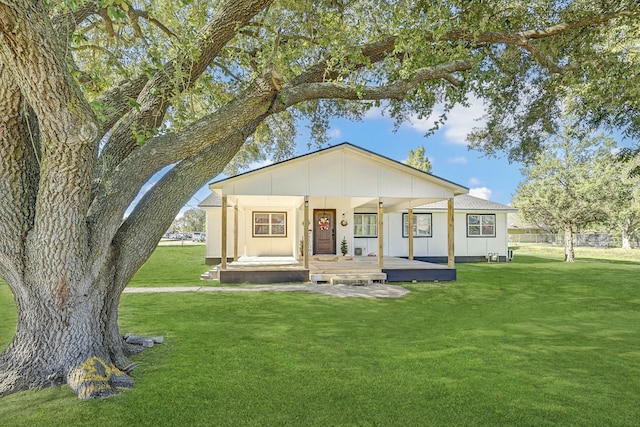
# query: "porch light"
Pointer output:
{"type": "Point", "coordinates": [344, 222]}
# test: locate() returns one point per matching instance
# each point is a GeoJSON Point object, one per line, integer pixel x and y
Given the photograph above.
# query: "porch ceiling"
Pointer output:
{"type": "Point", "coordinates": [389, 204]}
{"type": "Point", "coordinates": [395, 204]}
{"type": "Point", "coordinates": [265, 201]}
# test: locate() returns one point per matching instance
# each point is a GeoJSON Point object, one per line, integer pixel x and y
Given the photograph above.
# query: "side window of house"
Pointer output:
{"type": "Point", "coordinates": [365, 225]}
{"type": "Point", "coordinates": [481, 225]}
{"type": "Point", "coordinates": [269, 224]}
{"type": "Point", "coordinates": [421, 225]}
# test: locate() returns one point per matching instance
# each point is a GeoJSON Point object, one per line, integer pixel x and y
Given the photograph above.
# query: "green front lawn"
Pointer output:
{"type": "Point", "coordinates": [173, 266]}
{"type": "Point", "coordinates": [532, 342]}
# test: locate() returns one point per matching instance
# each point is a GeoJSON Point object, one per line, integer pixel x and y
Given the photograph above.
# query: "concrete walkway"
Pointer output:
{"type": "Point", "coordinates": [343, 291]}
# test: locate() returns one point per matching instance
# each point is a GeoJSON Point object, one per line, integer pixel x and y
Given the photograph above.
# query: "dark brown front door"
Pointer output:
{"type": "Point", "coordinates": [324, 231]}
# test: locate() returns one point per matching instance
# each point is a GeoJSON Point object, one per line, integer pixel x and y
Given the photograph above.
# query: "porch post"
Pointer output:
{"type": "Point", "coordinates": [450, 234]}
{"type": "Point", "coordinates": [410, 220]}
{"type": "Point", "coordinates": [305, 237]}
{"type": "Point", "coordinates": [223, 234]}
{"type": "Point", "coordinates": [235, 231]}
{"type": "Point", "coordinates": [380, 234]}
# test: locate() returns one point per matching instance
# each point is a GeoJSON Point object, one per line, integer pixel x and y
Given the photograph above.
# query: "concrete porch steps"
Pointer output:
{"type": "Point", "coordinates": [343, 278]}
{"type": "Point", "coordinates": [210, 275]}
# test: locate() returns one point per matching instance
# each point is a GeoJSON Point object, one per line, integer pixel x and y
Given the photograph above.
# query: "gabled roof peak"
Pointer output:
{"type": "Point", "coordinates": [354, 148]}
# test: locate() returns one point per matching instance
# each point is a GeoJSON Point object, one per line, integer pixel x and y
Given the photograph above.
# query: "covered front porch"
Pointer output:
{"type": "Point", "coordinates": [312, 229]}
{"type": "Point", "coordinates": [316, 207]}
{"type": "Point", "coordinates": [359, 270]}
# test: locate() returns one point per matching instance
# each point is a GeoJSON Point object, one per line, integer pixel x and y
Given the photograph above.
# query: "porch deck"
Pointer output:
{"type": "Point", "coordinates": [330, 269]}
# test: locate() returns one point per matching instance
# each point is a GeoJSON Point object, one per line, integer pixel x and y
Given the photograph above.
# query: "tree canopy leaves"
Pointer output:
{"type": "Point", "coordinates": [526, 59]}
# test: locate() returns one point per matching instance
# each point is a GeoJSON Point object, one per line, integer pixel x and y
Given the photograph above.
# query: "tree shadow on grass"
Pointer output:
{"type": "Point", "coordinates": [609, 261]}
{"type": "Point", "coordinates": [533, 259]}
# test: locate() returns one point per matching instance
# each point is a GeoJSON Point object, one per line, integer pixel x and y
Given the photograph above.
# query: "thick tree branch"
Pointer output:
{"type": "Point", "coordinates": [179, 74]}
{"type": "Point", "coordinates": [291, 95]}
{"type": "Point", "coordinates": [141, 231]}
{"type": "Point", "coordinates": [314, 88]}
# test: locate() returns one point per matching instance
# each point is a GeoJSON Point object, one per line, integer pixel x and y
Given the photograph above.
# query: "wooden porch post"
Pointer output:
{"type": "Point", "coordinates": [235, 231]}
{"type": "Point", "coordinates": [223, 234]}
{"type": "Point", "coordinates": [410, 220]}
{"type": "Point", "coordinates": [305, 237]}
{"type": "Point", "coordinates": [380, 234]}
{"type": "Point", "coordinates": [450, 234]}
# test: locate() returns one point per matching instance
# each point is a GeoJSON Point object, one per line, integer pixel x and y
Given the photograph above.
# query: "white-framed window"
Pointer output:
{"type": "Point", "coordinates": [481, 225]}
{"type": "Point", "coordinates": [269, 224]}
{"type": "Point", "coordinates": [421, 225]}
{"type": "Point", "coordinates": [365, 225]}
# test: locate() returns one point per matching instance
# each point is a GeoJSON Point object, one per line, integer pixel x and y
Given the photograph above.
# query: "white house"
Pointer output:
{"type": "Point", "coordinates": [348, 193]}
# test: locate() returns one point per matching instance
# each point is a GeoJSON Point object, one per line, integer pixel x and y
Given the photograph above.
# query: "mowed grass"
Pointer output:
{"type": "Point", "coordinates": [173, 266]}
{"type": "Point", "coordinates": [532, 342]}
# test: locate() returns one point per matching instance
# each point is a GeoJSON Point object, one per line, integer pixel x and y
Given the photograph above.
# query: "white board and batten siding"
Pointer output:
{"type": "Point", "coordinates": [339, 173]}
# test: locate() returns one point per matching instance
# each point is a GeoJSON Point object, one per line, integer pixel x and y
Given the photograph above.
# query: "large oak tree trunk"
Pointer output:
{"type": "Point", "coordinates": [65, 335]}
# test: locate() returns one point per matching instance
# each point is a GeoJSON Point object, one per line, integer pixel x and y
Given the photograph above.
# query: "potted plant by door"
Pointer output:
{"type": "Point", "coordinates": [343, 246]}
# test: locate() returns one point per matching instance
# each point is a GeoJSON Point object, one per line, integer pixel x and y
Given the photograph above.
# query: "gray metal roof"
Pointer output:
{"type": "Point", "coordinates": [470, 204]}
{"type": "Point", "coordinates": [211, 201]}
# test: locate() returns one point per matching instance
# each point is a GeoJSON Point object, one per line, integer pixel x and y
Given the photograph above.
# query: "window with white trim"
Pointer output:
{"type": "Point", "coordinates": [421, 225]}
{"type": "Point", "coordinates": [481, 225]}
{"type": "Point", "coordinates": [365, 225]}
{"type": "Point", "coordinates": [269, 224]}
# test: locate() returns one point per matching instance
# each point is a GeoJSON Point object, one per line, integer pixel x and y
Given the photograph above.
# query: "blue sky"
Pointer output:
{"type": "Point", "coordinates": [486, 177]}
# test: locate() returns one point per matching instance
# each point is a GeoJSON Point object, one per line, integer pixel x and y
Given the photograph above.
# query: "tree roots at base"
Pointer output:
{"type": "Point", "coordinates": [96, 378]}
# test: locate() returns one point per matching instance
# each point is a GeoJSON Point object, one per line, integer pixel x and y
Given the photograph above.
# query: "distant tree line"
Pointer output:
{"type": "Point", "coordinates": [192, 220]}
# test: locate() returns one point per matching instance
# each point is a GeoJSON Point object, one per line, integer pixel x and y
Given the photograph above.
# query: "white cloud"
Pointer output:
{"type": "Point", "coordinates": [461, 160]}
{"type": "Point", "coordinates": [334, 133]}
{"type": "Point", "coordinates": [460, 121]}
{"type": "Point", "coordinates": [474, 182]}
{"type": "Point", "coordinates": [481, 192]}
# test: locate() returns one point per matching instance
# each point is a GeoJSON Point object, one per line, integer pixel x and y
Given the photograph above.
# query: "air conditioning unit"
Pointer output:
{"type": "Point", "coordinates": [359, 251]}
